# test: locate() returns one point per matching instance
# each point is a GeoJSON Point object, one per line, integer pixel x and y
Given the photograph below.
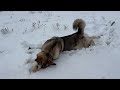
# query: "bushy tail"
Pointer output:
{"type": "Point", "coordinates": [79, 25]}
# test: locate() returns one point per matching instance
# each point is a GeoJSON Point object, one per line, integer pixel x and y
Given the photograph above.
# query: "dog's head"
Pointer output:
{"type": "Point", "coordinates": [44, 60]}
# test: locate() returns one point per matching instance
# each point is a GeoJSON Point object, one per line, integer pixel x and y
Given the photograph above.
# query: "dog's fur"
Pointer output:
{"type": "Point", "coordinates": [78, 40]}
{"type": "Point", "coordinates": [53, 47]}
{"type": "Point", "coordinates": [49, 52]}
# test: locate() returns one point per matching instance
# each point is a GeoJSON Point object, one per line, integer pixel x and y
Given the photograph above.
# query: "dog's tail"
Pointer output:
{"type": "Point", "coordinates": [79, 25]}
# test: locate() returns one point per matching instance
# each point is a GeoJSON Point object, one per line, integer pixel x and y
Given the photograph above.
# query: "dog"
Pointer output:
{"type": "Point", "coordinates": [50, 51]}
{"type": "Point", "coordinates": [54, 46]}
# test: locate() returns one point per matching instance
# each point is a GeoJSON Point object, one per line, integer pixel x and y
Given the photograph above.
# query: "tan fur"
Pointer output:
{"type": "Point", "coordinates": [85, 42]}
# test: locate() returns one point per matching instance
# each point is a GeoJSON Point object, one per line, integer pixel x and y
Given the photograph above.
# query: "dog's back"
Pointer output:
{"type": "Point", "coordinates": [53, 46]}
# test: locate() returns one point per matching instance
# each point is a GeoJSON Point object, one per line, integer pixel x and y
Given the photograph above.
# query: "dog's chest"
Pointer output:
{"type": "Point", "coordinates": [56, 54]}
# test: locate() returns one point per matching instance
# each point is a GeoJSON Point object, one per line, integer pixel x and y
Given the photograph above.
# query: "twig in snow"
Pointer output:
{"type": "Point", "coordinates": [1, 51]}
{"type": "Point", "coordinates": [113, 23]}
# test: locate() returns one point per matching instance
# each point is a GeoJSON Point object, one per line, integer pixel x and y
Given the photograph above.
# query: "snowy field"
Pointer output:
{"type": "Point", "coordinates": [19, 30]}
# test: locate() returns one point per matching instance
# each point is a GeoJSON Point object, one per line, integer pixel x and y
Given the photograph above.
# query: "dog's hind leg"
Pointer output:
{"type": "Point", "coordinates": [93, 39]}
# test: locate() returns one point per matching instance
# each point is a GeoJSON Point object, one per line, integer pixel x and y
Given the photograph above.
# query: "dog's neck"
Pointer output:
{"type": "Point", "coordinates": [48, 54]}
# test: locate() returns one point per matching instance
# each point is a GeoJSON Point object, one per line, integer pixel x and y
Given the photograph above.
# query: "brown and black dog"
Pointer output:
{"type": "Point", "coordinates": [54, 46]}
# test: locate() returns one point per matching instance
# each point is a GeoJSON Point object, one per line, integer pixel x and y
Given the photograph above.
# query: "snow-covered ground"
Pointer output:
{"type": "Point", "coordinates": [20, 29]}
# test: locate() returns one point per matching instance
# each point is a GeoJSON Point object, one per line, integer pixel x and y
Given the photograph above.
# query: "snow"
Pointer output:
{"type": "Point", "coordinates": [21, 29]}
